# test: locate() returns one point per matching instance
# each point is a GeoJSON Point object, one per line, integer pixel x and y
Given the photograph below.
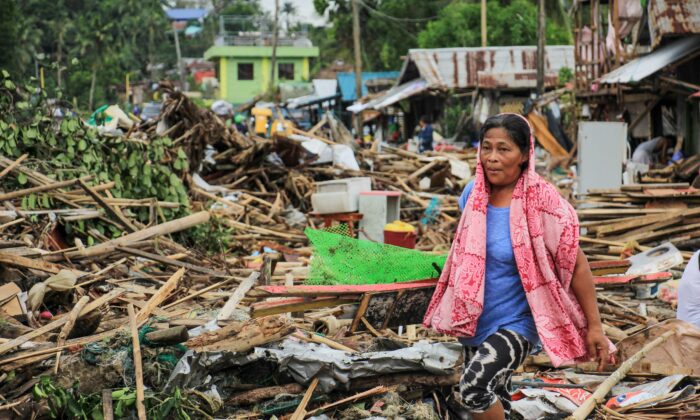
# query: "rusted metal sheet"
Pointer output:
{"type": "Point", "coordinates": [515, 80]}
{"type": "Point", "coordinates": [671, 18]}
{"type": "Point", "coordinates": [642, 67]}
{"type": "Point", "coordinates": [460, 68]}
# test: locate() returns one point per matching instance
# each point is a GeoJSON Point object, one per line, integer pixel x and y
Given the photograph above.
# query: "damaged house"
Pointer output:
{"type": "Point", "coordinates": [637, 63]}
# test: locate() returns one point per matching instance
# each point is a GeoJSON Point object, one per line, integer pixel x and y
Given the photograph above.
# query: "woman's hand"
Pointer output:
{"type": "Point", "coordinates": [598, 346]}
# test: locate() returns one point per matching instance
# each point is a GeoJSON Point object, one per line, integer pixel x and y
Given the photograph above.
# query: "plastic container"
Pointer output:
{"type": "Point", "coordinates": [339, 196]}
{"type": "Point", "coordinates": [401, 234]}
{"type": "Point", "coordinates": [261, 116]}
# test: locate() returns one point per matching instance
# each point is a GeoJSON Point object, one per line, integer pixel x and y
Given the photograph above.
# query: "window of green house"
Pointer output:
{"type": "Point", "coordinates": [285, 71]}
{"type": "Point", "coordinates": [245, 71]}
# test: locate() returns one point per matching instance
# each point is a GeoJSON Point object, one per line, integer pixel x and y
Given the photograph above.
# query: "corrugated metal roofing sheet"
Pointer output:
{"type": "Point", "coordinates": [391, 96]}
{"type": "Point", "coordinates": [346, 82]}
{"type": "Point", "coordinates": [645, 66]}
{"type": "Point", "coordinates": [455, 68]}
{"type": "Point", "coordinates": [673, 18]}
{"type": "Point", "coordinates": [186, 14]}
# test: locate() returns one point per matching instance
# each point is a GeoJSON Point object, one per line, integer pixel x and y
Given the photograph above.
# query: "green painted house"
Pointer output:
{"type": "Point", "coordinates": [244, 71]}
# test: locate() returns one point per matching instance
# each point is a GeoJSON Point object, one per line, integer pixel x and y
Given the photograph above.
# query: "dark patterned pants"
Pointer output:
{"type": "Point", "coordinates": [488, 369]}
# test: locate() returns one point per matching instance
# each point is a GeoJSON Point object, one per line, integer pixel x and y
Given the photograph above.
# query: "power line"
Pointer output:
{"type": "Point", "coordinates": [394, 18]}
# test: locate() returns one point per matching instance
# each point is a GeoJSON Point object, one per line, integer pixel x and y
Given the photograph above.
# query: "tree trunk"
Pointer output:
{"type": "Point", "coordinates": [59, 56]}
{"type": "Point", "coordinates": [92, 86]}
{"type": "Point", "coordinates": [541, 33]}
{"type": "Point", "coordinates": [273, 59]}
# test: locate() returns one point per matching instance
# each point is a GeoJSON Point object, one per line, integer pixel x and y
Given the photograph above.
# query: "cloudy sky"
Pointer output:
{"type": "Point", "coordinates": [305, 10]}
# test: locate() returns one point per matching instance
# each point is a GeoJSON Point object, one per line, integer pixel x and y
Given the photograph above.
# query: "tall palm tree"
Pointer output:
{"type": "Point", "coordinates": [289, 10]}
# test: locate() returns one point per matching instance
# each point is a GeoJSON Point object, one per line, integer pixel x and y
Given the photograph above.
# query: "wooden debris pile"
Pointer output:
{"type": "Point", "coordinates": [140, 321]}
{"type": "Point", "coordinates": [639, 217]}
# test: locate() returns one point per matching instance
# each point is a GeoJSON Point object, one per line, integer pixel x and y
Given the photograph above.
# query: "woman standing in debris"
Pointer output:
{"type": "Point", "coordinates": [515, 276]}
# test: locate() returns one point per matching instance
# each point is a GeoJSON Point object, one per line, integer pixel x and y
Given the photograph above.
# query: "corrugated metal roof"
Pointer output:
{"type": "Point", "coordinates": [514, 80]}
{"type": "Point", "coordinates": [459, 68]}
{"type": "Point", "coordinates": [346, 82]}
{"type": "Point", "coordinates": [186, 14]}
{"type": "Point", "coordinates": [673, 18]}
{"type": "Point", "coordinates": [391, 96]}
{"type": "Point", "coordinates": [645, 66]}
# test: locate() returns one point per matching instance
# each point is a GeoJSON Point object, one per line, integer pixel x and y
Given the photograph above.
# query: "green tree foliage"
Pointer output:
{"type": "Point", "coordinates": [389, 29]}
{"type": "Point", "coordinates": [67, 149]}
{"type": "Point", "coordinates": [459, 25]}
{"type": "Point", "coordinates": [78, 40]}
{"type": "Point", "coordinates": [9, 32]}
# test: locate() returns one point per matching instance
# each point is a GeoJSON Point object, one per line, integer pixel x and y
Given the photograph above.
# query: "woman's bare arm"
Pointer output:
{"type": "Point", "coordinates": [584, 290]}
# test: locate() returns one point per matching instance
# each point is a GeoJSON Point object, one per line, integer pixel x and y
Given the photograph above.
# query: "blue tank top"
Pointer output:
{"type": "Point", "coordinates": [505, 304]}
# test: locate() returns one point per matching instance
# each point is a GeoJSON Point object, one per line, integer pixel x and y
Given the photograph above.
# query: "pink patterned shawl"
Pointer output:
{"type": "Point", "coordinates": [544, 232]}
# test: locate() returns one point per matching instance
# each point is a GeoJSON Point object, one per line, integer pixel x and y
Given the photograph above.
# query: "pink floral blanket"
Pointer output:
{"type": "Point", "coordinates": [544, 233]}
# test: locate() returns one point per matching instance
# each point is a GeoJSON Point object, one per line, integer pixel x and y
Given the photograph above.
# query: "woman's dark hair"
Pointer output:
{"type": "Point", "coordinates": [517, 128]}
{"type": "Point", "coordinates": [426, 119]}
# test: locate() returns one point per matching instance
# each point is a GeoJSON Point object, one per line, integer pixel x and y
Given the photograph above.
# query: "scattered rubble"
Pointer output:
{"type": "Point", "coordinates": [202, 311]}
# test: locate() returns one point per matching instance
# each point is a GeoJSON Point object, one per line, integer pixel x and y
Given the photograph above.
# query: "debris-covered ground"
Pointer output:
{"type": "Point", "coordinates": [161, 269]}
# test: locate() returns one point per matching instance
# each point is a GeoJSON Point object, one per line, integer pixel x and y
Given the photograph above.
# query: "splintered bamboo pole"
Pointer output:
{"type": "Point", "coordinates": [141, 235]}
{"type": "Point", "coordinates": [138, 367]}
{"type": "Point", "coordinates": [589, 405]}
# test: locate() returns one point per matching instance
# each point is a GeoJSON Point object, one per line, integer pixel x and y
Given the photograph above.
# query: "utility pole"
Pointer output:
{"type": "Point", "coordinates": [540, 47]}
{"type": "Point", "coordinates": [273, 59]}
{"type": "Point", "coordinates": [180, 67]}
{"type": "Point", "coordinates": [358, 63]}
{"type": "Point", "coordinates": [483, 23]}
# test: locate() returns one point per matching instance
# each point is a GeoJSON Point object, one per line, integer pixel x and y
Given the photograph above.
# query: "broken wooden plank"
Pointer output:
{"type": "Point", "coordinates": [160, 296]}
{"type": "Point", "coordinates": [138, 364]}
{"type": "Point", "coordinates": [264, 291]}
{"type": "Point", "coordinates": [238, 294]}
{"type": "Point", "coordinates": [24, 262]}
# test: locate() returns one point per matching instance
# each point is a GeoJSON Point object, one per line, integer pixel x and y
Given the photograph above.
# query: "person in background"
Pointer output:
{"type": "Point", "coordinates": [425, 135]}
{"type": "Point", "coordinates": [241, 126]}
{"type": "Point", "coordinates": [652, 151]}
{"type": "Point", "coordinates": [515, 275]}
{"type": "Point", "coordinates": [689, 292]}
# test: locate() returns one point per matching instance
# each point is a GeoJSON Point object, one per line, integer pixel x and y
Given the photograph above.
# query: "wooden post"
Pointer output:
{"type": "Point", "coordinates": [358, 63]}
{"type": "Point", "coordinates": [616, 28]}
{"type": "Point", "coordinates": [484, 41]}
{"type": "Point", "coordinates": [138, 367]}
{"type": "Point", "coordinates": [541, 33]}
{"type": "Point", "coordinates": [273, 58]}
{"type": "Point", "coordinates": [107, 406]}
{"type": "Point", "coordinates": [180, 68]}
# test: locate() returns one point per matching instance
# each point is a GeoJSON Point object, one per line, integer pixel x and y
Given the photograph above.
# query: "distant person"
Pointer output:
{"type": "Point", "coordinates": [425, 135]}
{"type": "Point", "coordinates": [689, 292]}
{"type": "Point", "coordinates": [651, 151]}
{"type": "Point", "coordinates": [240, 122]}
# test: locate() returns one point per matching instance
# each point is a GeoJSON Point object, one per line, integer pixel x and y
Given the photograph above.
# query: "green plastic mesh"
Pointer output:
{"type": "Point", "coordinates": [340, 259]}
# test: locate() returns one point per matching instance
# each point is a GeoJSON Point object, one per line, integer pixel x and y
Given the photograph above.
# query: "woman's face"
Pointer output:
{"type": "Point", "coordinates": [501, 158]}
